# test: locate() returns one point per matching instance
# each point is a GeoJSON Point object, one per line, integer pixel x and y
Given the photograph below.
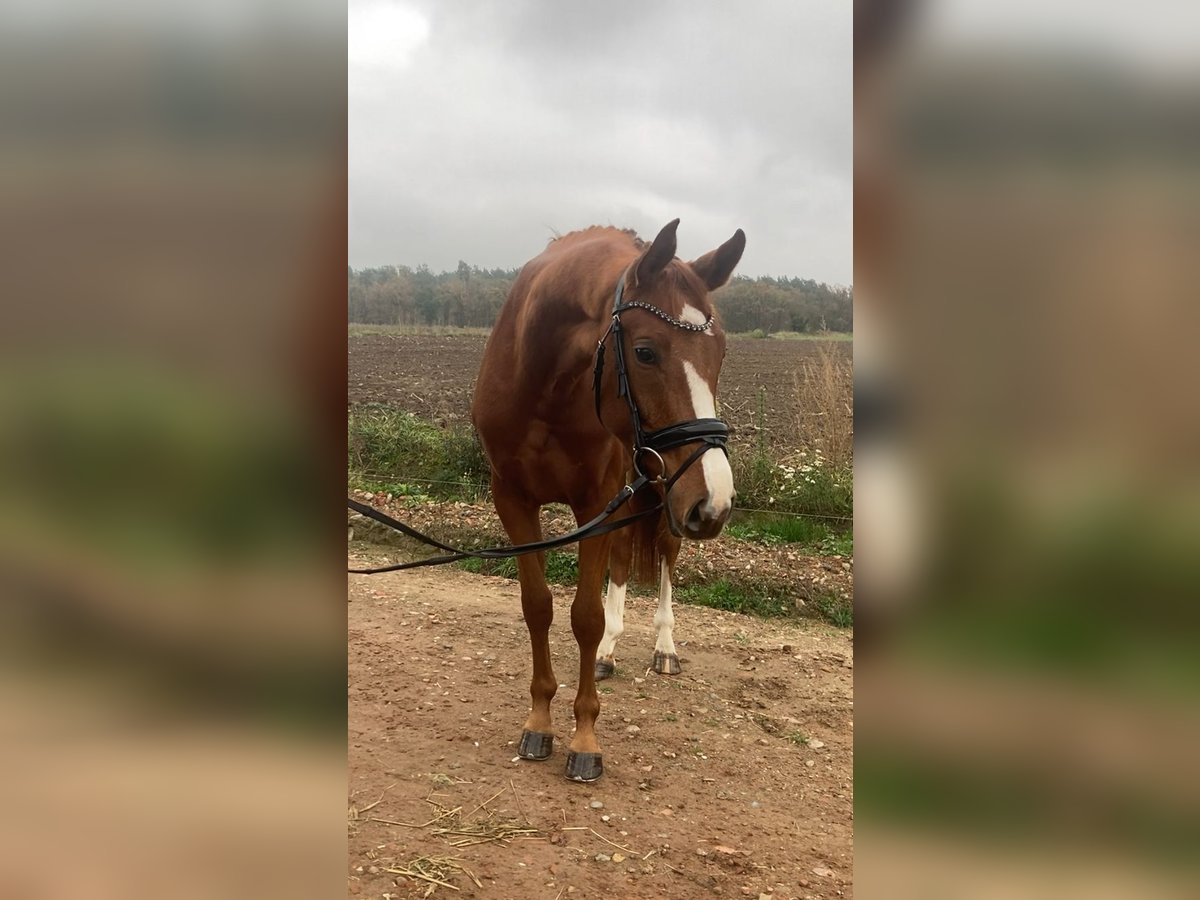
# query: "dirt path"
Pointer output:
{"type": "Point", "coordinates": [731, 779]}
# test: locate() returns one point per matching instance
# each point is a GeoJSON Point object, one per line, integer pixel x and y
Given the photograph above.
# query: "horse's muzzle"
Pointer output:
{"type": "Point", "coordinates": [704, 522]}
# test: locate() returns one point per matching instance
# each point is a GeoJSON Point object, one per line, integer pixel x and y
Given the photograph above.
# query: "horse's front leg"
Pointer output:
{"type": "Point", "coordinates": [587, 622]}
{"type": "Point", "coordinates": [614, 603]}
{"type": "Point", "coordinates": [666, 660]}
{"type": "Point", "coordinates": [520, 518]}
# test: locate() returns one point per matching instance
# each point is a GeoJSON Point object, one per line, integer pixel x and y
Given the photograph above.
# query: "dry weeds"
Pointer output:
{"type": "Point", "coordinates": [825, 399]}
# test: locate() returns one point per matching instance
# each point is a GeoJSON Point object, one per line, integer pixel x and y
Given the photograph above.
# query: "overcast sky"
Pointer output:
{"type": "Point", "coordinates": [478, 129]}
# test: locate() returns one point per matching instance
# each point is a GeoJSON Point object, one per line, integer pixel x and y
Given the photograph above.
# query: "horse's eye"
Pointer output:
{"type": "Point", "coordinates": [645, 355]}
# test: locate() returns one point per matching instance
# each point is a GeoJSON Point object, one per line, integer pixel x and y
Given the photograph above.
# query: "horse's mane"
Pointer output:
{"type": "Point", "coordinates": [595, 230]}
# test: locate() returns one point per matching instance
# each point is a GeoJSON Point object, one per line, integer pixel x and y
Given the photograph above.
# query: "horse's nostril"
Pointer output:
{"type": "Point", "coordinates": [694, 517]}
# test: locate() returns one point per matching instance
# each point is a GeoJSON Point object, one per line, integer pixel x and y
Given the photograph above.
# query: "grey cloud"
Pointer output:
{"type": "Point", "coordinates": [516, 120]}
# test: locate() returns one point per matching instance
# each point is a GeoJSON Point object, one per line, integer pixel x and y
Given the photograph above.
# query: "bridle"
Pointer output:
{"type": "Point", "coordinates": [709, 433]}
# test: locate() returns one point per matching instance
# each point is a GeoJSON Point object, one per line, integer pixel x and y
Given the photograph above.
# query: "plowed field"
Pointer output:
{"type": "Point", "coordinates": [433, 376]}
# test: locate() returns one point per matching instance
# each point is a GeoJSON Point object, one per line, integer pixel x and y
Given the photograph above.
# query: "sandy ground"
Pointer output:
{"type": "Point", "coordinates": [733, 778]}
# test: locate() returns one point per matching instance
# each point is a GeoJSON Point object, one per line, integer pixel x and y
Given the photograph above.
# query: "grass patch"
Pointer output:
{"type": "Point", "coordinates": [397, 452]}
{"type": "Point", "coordinates": [505, 568]}
{"type": "Point", "coordinates": [724, 594]}
{"type": "Point", "coordinates": [799, 738]}
{"type": "Point", "coordinates": [834, 609]}
{"type": "Point", "coordinates": [561, 568]}
{"type": "Point", "coordinates": [805, 483]}
{"type": "Point", "coordinates": [814, 535]}
{"type": "Point", "coordinates": [800, 485]}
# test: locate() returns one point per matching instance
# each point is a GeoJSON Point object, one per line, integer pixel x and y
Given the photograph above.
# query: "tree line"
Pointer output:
{"type": "Point", "coordinates": [470, 296]}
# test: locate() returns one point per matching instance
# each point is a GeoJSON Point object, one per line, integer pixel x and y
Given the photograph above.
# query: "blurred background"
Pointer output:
{"type": "Point", "coordinates": [1027, 458]}
{"type": "Point", "coordinates": [172, 364]}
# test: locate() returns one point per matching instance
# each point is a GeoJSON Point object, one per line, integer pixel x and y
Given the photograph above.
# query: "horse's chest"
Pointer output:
{"type": "Point", "coordinates": [553, 462]}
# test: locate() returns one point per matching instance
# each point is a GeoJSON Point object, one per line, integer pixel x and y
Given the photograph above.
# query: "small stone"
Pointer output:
{"type": "Point", "coordinates": [618, 857]}
{"type": "Point", "coordinates": [754, 804]}
{"type": "Point", "coordinates": [823, 871]}
{"type": "Point", "coordinates": [605, 818]}
{"type": "Point", "coordinates": [814, 744]}
{"type": "Point", "coordinates": [809, 763]}
{"type": "Point", "coordinates": [669, 754]}
{"type": "Point", "coordinates": [596, 804]}
{"type": "Point", "coordinates": [632, 729]}
{"type": "Point", "coordinates": [373, 870]}
{"type": "Point", "coordinates": [603, 857]}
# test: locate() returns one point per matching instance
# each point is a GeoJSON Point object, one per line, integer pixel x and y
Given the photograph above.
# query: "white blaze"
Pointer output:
{"type": "Point", "coordinates": [717, 474]}
{"type": "Point", "coordinates": [693, 316]}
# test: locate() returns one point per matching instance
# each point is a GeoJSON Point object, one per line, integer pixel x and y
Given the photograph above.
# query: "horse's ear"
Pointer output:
{"type": "Point", "coordinates": [655, 258]}
{"type": "Point", "coordinates": [716, 267]}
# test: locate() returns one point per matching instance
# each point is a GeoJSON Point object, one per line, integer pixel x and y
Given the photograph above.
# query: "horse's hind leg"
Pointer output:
{"type": "Point", "coordinates": [614, 602]}
{"type": "Point", "coordinates": [666, 661]}
{"type": "Point", "coordinates": [587, 622]}
{"type": "Point", "coordinates": [520, 519]}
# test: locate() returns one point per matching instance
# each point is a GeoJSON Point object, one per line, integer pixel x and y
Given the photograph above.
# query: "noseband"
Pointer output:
{"type": "Point", "coordinates": [708, 433]}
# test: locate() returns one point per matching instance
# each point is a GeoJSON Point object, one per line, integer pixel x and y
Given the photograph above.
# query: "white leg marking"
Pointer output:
{"type": "Point", "coordinates": [717, 474]}
{"type": "Point", "coordinates": [664, 618]}
{"type": "Point", "coordinates": [614, 619]}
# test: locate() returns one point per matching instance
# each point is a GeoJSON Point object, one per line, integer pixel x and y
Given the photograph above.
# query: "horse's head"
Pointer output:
{"type": "Point", "coordinates": [673, 374]}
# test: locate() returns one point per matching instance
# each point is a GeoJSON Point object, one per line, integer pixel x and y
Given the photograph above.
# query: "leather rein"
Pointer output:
{"type": "Point", "coordinates": [708, 433]}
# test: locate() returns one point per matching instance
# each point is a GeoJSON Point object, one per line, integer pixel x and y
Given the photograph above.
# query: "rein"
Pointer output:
{"type": "Point", "coordinates": [708, 433]}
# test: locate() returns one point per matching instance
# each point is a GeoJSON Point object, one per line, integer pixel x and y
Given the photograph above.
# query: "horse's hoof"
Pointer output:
{"type": "Point", "coordinates": [666, 663]}
{"type": "Point", "coordinates": [535, 745]}
{"type": "Point", "coordinates": [584, 766]}
{"type": "Point", "coordinates": [605, 668]}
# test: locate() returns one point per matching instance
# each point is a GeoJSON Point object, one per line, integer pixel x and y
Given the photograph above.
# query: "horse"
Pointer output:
{"type": "Point", "coordinates": [558, 426]}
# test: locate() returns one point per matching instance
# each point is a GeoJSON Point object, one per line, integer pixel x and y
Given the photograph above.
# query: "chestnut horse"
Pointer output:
{"type": "Point", "coordinates": [558, 429]}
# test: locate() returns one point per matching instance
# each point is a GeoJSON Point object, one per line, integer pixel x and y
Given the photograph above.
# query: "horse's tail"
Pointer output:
{"type": "Point", "coordinates": [644, 566]}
